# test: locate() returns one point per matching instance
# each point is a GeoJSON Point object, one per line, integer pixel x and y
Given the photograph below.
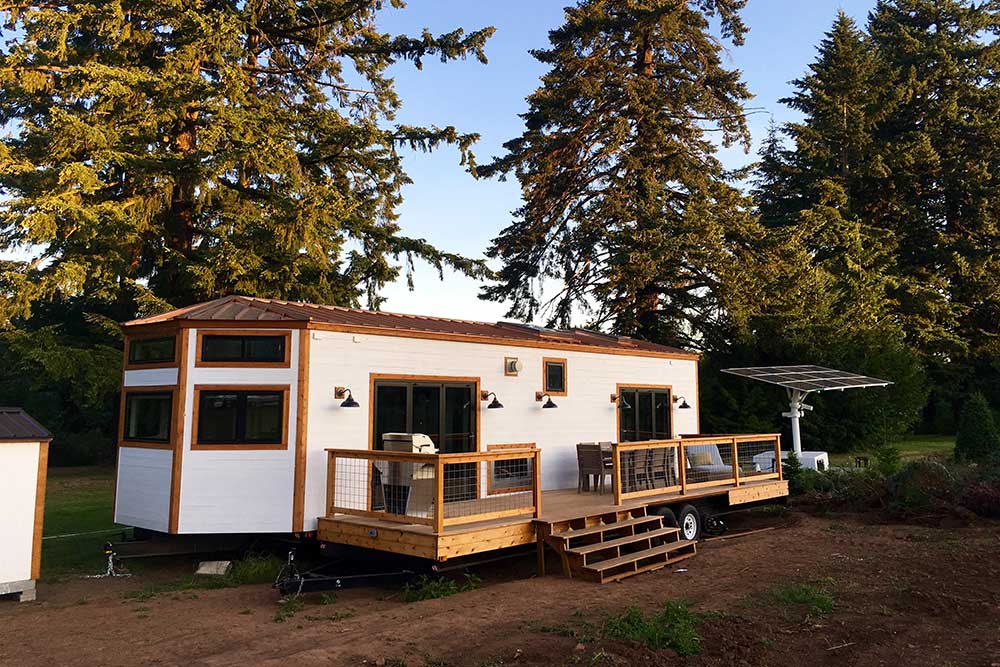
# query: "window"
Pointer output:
{"type": "Point", "coordinates": [645, 414]}
{"type": "Point", "coordinates": [148, 415]}
{"type": "Point", "coordinates": [151, 350]}
{"type": "Point", "coordinates": [241, 417]}
{"type": "Point", "coordinates": [244, 348]}
{"type": "Point", "coordinates": [554, 376]}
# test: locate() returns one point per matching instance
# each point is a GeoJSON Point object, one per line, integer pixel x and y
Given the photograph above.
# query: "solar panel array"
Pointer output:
{"type": "Point", "coordinates": [807, 378]}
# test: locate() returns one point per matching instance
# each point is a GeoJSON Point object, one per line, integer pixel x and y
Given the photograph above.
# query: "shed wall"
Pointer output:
{"type": "Point", "coordinates": [19, 466]}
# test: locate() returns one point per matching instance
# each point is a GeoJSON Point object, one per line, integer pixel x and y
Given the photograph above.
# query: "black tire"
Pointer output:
{"type": "Point", "coordinates": [690, 523]}
{"type": "Point", "coordinates": [669, 518]}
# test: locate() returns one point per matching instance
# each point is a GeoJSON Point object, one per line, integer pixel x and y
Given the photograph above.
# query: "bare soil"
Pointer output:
{"type": "Point", "coordinates": [904, 595]}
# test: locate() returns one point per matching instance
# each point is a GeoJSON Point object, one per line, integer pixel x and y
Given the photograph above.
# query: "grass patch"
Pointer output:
{"type": "Point", "coordinates": [338, 616]}
{"type": "Point", "coordinates": [816, 598]}
{"type": "Point", "coordinates": [78, 500]}
{"type": "Point", "coordinates": [287, 608]}
{"type": "Point", "coordinates": [429, 588]}
{"type": "Point", "coordinates": [673, 626]}
{"type": "Point", "coordinates": [911, 448]}
{"type": "Point", "coordinates": [251, 570]}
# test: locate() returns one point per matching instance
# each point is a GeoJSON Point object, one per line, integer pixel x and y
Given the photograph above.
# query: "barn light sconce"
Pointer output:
{"type": "Point", "coordinates": [485, 396]}
{"type": "Point", "coordinates": [620, 400]}
{"type": "Point", "coordinates": [345, 393]}
{"type": "Point", "coordinates": [684, 404]}
{"type": "Point", "coordinates": [548, 399]}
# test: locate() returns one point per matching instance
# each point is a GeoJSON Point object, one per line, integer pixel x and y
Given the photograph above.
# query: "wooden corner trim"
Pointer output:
{"type": "Point", "coordinates": [180, 412]}
{"type": "Point", "coordinates": [40, 483]}
{"type": "Point", "coordinates": [284, 363]}
{"type": "Point", "coordinates": [301, 432]}
{"type": "Point", "coordinates": [239, 446]}
{"type": "Point", "coordinates": [545, 378]}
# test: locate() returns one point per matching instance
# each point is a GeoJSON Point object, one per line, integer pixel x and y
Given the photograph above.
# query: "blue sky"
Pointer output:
{"type": "Point", "coordinates": [457, 213]}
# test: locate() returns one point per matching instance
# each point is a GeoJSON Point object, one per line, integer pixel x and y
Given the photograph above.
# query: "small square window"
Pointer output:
{"type": "Point", "coordinates": [554, 374]}
{"type": "Point", "coordinates": [151, 350]}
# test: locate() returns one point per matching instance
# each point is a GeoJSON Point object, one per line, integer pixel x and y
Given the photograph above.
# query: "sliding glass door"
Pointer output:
{"type": "Point", "coordinates": [645, 414]}
{"type": "Point", "coordinates": [446, 412]}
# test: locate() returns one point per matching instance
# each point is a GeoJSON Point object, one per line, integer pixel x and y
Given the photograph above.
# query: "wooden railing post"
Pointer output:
{"type": "Point", "coordinates": [736, 464]}
{"type": "Point", "coordinates": [439, 494]}
{"type": "Point", "coordinates": [616, 469]}
{"type": "Point", "coordinates": [537, 482]}
{"type": "Point", "coordinates": [331, 482]}
{"type": "Point", "coordinates": [682, 465]}
{"type": "Point", "coordinates": [777, 456]}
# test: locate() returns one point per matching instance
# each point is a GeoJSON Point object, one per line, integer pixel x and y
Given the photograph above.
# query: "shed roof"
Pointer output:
{"type": "Point", "coordinates": [246, 310]}
{"type": "Point", "coordinates": [16, 425]}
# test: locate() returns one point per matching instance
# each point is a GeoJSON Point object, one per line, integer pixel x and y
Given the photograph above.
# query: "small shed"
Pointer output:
{"type": "Point", "coordinates": [24, 455]}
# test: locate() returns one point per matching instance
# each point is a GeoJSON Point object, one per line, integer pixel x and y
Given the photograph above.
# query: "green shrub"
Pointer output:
{"type": "Point", "coordinates": [922, 486]}
{"type": "Point", "coordinates": [429, 588]}
{"type": "Point", "coordinates": [815, 597]}
{"type": "Point", "coordinates": [888, 460]}
{"type": "Point", "coordinates": [977, 438]}
{"type": "Point", "coordinates": [792, 471]}
{"type": "Point", "coordinates": [673, 626]}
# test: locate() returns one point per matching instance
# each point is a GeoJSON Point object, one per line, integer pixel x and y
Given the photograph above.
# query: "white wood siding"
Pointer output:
{"type": "Point", "coordinates": [142, 496]}
{"type": "Point", "coordinates": [18, 484]}
{"type": "Point", "coordinates": [585, 414]}
{"type": "Point", "coordinates": [239, 491]}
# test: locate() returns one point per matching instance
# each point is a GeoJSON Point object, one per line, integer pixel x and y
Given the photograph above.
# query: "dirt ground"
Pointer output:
{"type": "Point", "coordinates": [904, 595]}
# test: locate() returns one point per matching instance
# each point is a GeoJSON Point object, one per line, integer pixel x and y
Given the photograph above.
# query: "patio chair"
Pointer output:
{"type": "Point", "coordinates": [591, 463]}
{"type": "Point", "coordinates": [662, 471]}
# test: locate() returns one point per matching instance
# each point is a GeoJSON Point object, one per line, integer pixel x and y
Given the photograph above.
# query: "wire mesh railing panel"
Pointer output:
{"type": "Point", "coordinates": [393, 488]}
{"type": "Point", "coordinates": [709, 462]}
{"type": "Point", "coordinates": [648, 469]}
{"type": "Point", "coordinates": [757, 456]}
{"type": "Point", "coordinates": [490, 488]}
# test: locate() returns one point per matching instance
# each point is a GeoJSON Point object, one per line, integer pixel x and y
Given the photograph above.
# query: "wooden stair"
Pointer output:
{"type": "Point", "coordinates": [612, 546]}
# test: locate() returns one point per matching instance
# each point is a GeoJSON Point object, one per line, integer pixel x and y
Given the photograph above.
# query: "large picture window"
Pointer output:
{"type": "Point", "coordinates": [151, 350]}
{"type": "Point", "coordinates": [147, 416]}
{"type": "Point", "coordinates": [645, 414]}
{"type": "Point", "coordinates": [251, 417]}
{"type": "Point", "coordinates": [239, 348]}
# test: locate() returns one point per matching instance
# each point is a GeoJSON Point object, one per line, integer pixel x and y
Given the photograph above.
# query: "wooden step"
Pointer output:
{"type": "Point", "coordinates": [610, 563]}
{"type": "Point", "coordinates": [605, 578]}
{"type": "Point", "coordinates": [610, 544]}
{"type": "Point", "coordinates": [607, 527]}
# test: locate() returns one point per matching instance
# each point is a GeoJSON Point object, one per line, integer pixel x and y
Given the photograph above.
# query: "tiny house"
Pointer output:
{"type": "Point", "coordinates": [248, 415]}
{"type": "Point", "coordinates": [24, 453]}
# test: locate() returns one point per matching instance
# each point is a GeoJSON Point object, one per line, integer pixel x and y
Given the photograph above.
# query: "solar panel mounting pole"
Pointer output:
{"type": "Point", "coordinates": [796, 410]}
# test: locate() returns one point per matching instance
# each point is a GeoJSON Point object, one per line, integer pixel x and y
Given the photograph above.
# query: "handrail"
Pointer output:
{"type": "Point", "coordinates": [460, 474]}
{"type": "Point", "coordinates": [742, 464]}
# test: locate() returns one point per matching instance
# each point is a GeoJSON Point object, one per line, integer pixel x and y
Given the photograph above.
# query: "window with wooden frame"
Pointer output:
{"type": "Point", "coordinates": [509, 475]}
{"type": "Point", "coordinates": [240, 417]}
{"type": "Point", "coordinates": [153, 350]}
{"type": "Point", "coordinates": [554, 376]}
{"type": "Point", "coordinates": [264, 349]}
{"type": "Point", "coordinates": [148, 415]}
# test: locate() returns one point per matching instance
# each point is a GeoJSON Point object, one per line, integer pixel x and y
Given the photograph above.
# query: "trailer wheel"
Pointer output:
{"type": "Point", "coordinates": [669, 518]}
{"type": "Point", "coordinates": [689, 521]}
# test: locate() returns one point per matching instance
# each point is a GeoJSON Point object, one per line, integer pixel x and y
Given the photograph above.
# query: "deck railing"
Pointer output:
{"type": "Point", "coordinates": [656, 467]}
{"type": "Point", "coordinates": [436, 490]}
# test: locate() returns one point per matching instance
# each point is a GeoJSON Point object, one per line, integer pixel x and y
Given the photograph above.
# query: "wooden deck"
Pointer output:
{"type": "Point", "coordinates": [559, 506]}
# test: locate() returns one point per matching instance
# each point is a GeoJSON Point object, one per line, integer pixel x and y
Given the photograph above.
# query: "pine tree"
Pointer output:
{"type": "Point", "coordinates": [625, 205]}
{"type": "Point", "coordinates": [977, 438]}
{"type": "Point", "coordinates": [169, 152]}
{"type": "Point", "coordinates": [939, 153]}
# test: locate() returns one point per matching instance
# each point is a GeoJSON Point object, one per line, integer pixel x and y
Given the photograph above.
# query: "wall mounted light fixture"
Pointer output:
{"type": "Point", "coordinates": [484, 395]}
{"type": "Point", "coordinates": [345, 393]}
{"type": "Point", "coordinates": [620, 400]}
{"type": "Point", "coordinates": [539, 395]}
{"type": "Point", "coordinates": [684, 404]}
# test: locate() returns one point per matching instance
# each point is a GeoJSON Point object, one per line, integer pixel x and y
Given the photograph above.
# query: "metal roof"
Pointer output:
{"type": "Point", "coordinates": [245, 309]}
{"type": "Point", "coordinates": [807, 378]}
{"type": "Point", "coordinates": [16, 425]}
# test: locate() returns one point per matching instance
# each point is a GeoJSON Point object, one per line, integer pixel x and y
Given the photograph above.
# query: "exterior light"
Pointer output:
{"type": "Point", "coordinates": [548, 400]}
{"type": "Point", "coordinates": [620, 400]}
{"type": "Point", "coordinates": [349, 402]}
{"type": "Point", "coordinates": [684, 404]}
{"type": "Point", "coordinates": [495, 403]}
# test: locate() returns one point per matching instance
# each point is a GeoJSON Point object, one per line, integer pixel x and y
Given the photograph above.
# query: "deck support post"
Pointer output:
{"type": "Point", "coordinates": [439, 494]}
{"type": "Point", "coordinates": [616, 476]}
{"type": "Point", "coordinates": [736, 464]}
{"type": "Point", "coordinates": [540, 554]}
